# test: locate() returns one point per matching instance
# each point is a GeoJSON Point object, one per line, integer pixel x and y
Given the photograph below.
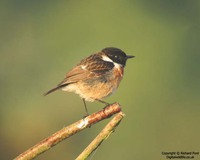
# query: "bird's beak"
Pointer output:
{"type": "Point", "coordinates": [130, 57]}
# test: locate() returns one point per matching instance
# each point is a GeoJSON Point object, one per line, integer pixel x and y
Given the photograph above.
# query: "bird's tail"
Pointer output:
{"type": "Point", "coordinates": [55, 89]}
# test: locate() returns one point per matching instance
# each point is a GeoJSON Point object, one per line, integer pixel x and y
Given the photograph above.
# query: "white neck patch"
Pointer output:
{"type": "Point", "coordinates": [107, 59]}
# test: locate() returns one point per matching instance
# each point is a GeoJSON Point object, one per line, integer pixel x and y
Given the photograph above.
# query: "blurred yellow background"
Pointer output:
{"type": "Point", "coordinates": [41, 40]}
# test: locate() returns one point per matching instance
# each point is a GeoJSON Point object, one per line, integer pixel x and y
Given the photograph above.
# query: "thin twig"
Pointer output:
{"type": "Point", "coordinates": [104, 134]}
{"type": "Point", "coordinates": [68, 131]}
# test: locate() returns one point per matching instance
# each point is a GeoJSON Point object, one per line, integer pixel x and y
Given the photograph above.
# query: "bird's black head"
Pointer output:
{"type": "Point", "coordinates": [116, 55]}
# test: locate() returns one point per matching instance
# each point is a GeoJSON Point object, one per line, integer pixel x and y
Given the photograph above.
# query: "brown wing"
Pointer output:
{"type": "Point", "coordinates": [72, 76]}
{"type": "Point", "coordinates": [76, 74]}
{"type": "Point", "coordinates": [91, 67]}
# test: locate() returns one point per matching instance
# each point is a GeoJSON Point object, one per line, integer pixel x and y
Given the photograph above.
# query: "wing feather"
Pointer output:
{"type": "Point", "coordinates": [91, 67]}
{"type": "Point", "coordinates": [88, 68]}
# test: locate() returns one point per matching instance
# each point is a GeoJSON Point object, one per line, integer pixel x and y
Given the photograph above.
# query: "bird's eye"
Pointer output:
{"type": "Point", "coordinates": [116, 57]}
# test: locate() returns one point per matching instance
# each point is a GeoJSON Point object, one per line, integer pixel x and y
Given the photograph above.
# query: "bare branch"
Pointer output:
{"type": "Point", "coordinates": [104, 134]}
{"type": "Point", "coordinates": [68, 131]}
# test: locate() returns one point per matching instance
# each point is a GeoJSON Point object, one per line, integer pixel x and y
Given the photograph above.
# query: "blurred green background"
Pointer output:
{"type": "Point", "coordinates": [160, 93]}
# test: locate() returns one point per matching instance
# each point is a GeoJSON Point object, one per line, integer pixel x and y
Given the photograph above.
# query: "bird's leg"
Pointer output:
{"type": "Point", "coordinates": [106, 103]}
{"type": "Point", "coordinates": [87, 114]}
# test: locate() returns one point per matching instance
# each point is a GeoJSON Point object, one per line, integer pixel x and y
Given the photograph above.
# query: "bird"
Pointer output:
{"type": "Point", "coordinates": [95, 77]}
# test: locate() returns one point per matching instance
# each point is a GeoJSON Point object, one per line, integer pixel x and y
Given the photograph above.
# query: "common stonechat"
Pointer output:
{"type": "Point", "coordinates": [96, 76]}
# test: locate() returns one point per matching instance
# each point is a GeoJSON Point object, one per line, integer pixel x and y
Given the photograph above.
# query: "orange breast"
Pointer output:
{"type": "Point", "coordinates": [119, 72]}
